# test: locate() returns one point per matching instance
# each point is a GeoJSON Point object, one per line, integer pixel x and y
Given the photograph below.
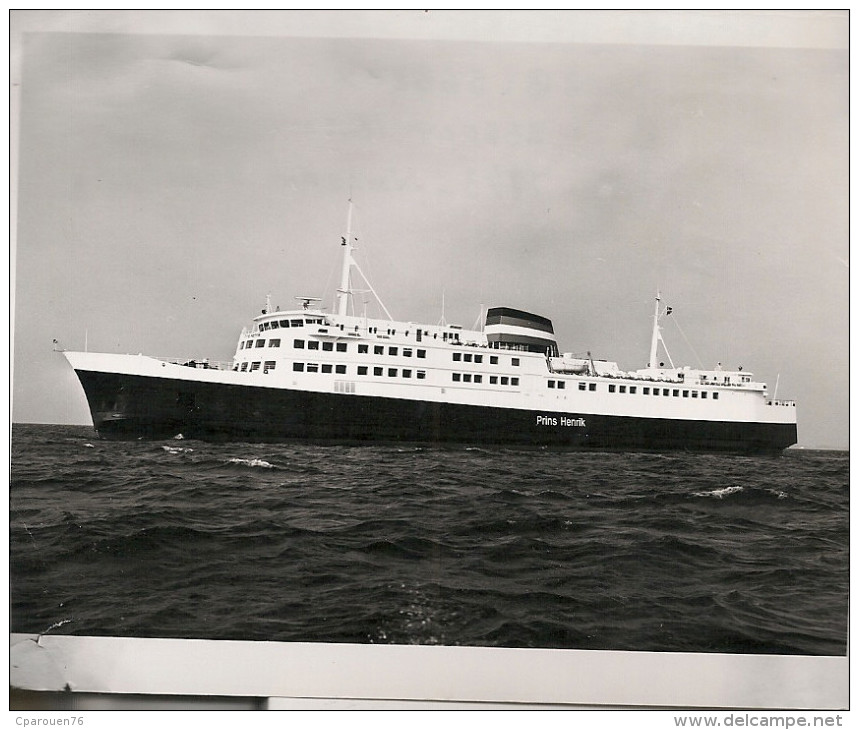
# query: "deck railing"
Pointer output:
{"type": "Point", "coordinates": [200, 364]}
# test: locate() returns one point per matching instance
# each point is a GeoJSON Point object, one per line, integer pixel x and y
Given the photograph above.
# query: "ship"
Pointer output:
{"type": "Point", "coordinates": [307, 374]}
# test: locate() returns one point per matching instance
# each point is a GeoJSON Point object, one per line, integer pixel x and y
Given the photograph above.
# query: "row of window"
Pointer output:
{"type": "Point", "coordinates": [316, 345]}
{"type": "Point", "coordinates": [392, 350]}
{"type": "Point", "coordinates": [315, 367]}
{"type": "Point", "coordinates": [561, 384]}
{"type": "Point", "coordinates": [646, 390]}
{"type": "Point", "coordinates": [477, 378]}
{"type": "Point", "coordinates": [285, 323]}
{"type": "Point", "coordinates": [254, 366]}
{"type": "Point", "coordinates": [312, 367]}
{"type": "Point", "coordinates": [478, 358]}
{"type": "Point", "coordinates": [327, 346]}
{"type": "Point", "coordinates": [633, 389]}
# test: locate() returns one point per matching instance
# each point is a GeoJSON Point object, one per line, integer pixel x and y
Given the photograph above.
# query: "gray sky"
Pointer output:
{"type": "Point", "coordinates": [173, 170]}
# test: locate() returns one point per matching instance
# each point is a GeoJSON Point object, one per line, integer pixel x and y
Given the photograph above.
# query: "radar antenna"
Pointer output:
{"type": "Point", "coordinates": [307, 301]}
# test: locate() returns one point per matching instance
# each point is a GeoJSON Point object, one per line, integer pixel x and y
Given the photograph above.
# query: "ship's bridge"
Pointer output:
{"type": "Point", "coordinates": [317, 323]}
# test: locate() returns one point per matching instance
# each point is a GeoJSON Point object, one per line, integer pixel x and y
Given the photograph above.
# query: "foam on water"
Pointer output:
{"type": "Point", "coordinates": [720, 493]}
{"type": "Point", "coordinates": [252, 463]}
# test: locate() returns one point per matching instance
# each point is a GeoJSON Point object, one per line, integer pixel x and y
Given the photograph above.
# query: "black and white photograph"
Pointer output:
{"type": "Point", "coordinates": [481, 359]}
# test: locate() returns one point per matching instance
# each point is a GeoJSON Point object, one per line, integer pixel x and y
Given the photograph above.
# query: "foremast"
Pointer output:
{"type": "Point", "coordinates": [345, 290]}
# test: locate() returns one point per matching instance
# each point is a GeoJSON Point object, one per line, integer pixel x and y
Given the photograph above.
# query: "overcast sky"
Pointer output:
{"type": "Point", "coordinates": [170, 176]}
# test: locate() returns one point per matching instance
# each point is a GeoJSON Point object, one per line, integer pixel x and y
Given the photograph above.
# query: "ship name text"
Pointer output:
{"type": "Point", "coordinates": [560, 421]}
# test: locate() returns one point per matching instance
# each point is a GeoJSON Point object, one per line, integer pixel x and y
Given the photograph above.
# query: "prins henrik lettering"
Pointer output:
{"type": "Point", "coordinates": [561, 421]}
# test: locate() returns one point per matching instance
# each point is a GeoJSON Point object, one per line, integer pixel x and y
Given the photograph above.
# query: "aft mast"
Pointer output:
{"type": "Point", "coordinates": [345, 290]}
{"type": "Point", "coordinates": [657, 336]}
{"type": "Point", "coordinates": [654, 340]}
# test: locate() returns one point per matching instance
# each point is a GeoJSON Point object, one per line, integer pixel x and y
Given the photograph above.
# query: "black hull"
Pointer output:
{"type": "Point", "coordinates": [130, 407]}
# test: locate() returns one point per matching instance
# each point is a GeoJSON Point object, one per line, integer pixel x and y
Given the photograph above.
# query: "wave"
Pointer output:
{"type": "Point", "coordinates": [261, 463]}
{"type": "Point", "coordinates": [719, 493]}
{"type": "Point", "coordinates": [743, 494]}
{"type": "Point", "coordinates": [176, 450]}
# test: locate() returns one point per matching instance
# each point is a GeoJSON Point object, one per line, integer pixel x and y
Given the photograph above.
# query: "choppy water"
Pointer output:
{"type": "Point", "coordinates": [479, 547]}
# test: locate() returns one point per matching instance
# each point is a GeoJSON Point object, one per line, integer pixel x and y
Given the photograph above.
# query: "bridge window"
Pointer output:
{"type": "Point", "coordinates": [493, 359]}
{"type": "Point", "coordinates": [378, 350]}
{"type": "Point", "coordinates": [284, 323]}
{"type": "Point", "coordinates": [363, 349]}
{"type": "Point", "coordinates": [297, 323]}
{"type": "Point", "coordinates": [274, 343]}
{"type": "Point", "coordinates": [298, 344]}
{"type": "Point", "coordinates": [478, 358]}
{"type": "Point", "coordinates": [328, 346]}
{"type": "Point", "coordinates": [341, 347]}
{"type": "Point", "coordinates": [515, 362]}
{"type": "Point", "coordinates": [260, 343]}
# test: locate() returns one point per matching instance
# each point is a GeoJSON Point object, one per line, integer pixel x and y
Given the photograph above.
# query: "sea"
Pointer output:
{"type": "Point", "coordinates": [488, 547]}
